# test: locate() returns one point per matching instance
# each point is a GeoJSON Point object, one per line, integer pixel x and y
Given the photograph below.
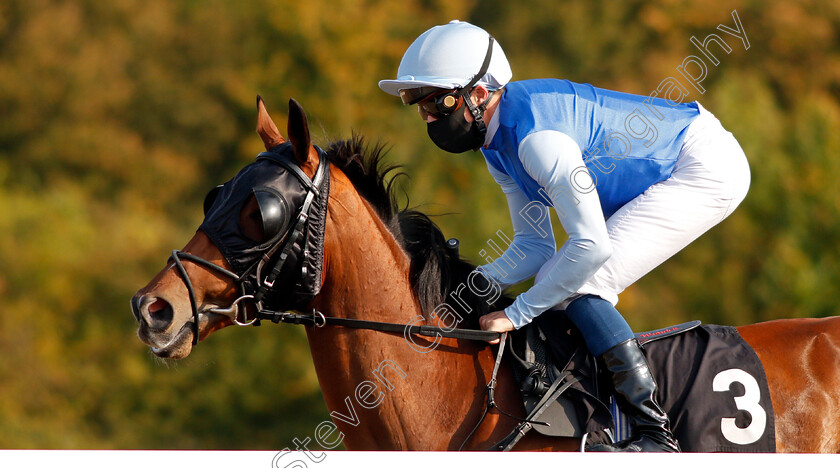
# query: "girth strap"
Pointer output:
{"type": "Point", "coordinates": [525, 426]}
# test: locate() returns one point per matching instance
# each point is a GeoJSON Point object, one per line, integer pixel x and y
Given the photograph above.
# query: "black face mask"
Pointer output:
{"type": "Point", "coordinates": [454, 134]}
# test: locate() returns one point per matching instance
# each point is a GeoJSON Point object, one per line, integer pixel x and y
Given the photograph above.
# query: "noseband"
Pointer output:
{"type": "Point", "coordinates": [253, 284]}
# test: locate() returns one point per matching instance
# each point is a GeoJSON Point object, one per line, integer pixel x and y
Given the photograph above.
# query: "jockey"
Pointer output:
{"type": "Point", "coordinates": [633, 180]}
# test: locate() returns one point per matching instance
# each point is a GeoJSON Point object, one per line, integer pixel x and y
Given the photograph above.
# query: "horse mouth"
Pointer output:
{"type": "Point", "coordinates": [178, 347]}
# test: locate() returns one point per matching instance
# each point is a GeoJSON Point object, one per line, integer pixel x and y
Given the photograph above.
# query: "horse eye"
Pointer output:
{"type": "Point", "coordinates": [264, 216]}
{"type": "Point", "coordinates": [210, 198]}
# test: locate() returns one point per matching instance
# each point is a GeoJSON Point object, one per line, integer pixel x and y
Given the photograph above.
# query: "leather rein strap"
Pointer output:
{"type": "Point", "coordinates": [318, 319]}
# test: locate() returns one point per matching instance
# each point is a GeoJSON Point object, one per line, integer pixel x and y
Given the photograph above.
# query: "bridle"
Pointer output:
{"type": "Point", "coordinates": [261, 284]}
{"type": "Point", "coordinates": [254, 279]}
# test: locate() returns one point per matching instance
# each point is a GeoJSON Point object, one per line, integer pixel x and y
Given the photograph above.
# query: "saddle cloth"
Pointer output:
{"type": "Point", "coordinates": [711, 384]}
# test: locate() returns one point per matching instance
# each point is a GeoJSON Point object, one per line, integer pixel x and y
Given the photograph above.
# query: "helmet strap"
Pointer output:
{"type": "Point", "coordinates": [478, 111]}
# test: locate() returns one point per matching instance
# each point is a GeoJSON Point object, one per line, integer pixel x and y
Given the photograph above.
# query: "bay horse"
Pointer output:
{"type": "Point", "coordinates": [385, 264]}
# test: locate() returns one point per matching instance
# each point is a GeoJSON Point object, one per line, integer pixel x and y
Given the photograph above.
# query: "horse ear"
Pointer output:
{"type": "Point", "coordinates": [271, 137]}
{"type": "Point", "coordinates": [298, 130]}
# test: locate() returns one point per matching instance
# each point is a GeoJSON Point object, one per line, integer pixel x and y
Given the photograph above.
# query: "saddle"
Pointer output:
{"type": "Point", "coordinates": [562, 393]}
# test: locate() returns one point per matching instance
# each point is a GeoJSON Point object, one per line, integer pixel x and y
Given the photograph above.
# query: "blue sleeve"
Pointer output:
{"type": "Point", "coordinates": [533, 241]}
{"type": "Point", "coordinates": [554, 160]}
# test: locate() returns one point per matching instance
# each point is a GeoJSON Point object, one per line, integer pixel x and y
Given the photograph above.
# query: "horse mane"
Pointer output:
{"type": "Point", "coordinates": [435, 270]}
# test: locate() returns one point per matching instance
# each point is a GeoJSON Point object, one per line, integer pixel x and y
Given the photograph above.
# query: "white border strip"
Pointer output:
{"type": "Point", "coordinates": [237, 459]}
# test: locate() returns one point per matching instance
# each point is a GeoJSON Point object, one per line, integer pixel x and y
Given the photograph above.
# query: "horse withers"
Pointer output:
{"type": "Point", "coordinates": [379, 263]}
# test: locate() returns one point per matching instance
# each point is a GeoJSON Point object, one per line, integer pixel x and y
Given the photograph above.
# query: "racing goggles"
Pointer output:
{"type": "Point", "coordinates": [411, 96]}
{"type": "Point", "coordinates": [434, 101]}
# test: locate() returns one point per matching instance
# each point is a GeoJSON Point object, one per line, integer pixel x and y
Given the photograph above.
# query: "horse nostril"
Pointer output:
{"type": "Point", "coordinates": [135, 308]}
{"type": "Point", "coordinates": [160, 314]}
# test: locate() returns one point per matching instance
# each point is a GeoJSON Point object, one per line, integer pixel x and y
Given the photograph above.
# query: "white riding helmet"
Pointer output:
{"type": "Point", "coordinates": [448, 56]}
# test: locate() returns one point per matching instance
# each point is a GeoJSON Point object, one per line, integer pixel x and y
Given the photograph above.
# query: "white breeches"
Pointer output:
{"type": "Point", "coordinates": [710, 179]}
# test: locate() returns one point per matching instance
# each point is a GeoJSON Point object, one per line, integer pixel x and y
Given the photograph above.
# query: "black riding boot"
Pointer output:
{"type": "Point", "coordinates": [635, 392]}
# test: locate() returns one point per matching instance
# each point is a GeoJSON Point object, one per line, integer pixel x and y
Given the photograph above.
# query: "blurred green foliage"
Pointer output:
{"type": "Point", "coordinates": [116, 117]}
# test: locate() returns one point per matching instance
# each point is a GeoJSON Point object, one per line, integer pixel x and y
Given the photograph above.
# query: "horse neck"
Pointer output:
{"type": "Point", "coordinates": [365, 269]}
{"type": "Point", "coordinates": [395, 392]}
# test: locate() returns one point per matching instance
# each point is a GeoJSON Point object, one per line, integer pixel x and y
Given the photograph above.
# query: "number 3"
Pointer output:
{"type": "Point", "coordinates": [749, 402]}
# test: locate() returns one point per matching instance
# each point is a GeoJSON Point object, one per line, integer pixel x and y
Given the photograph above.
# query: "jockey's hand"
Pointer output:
{"type": "Point", "coordinates": [497, 322]}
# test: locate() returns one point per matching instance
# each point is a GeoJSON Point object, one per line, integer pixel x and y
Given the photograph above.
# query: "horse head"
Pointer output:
{"type": "Point", "coordinates": [270, 242]}
{"type": "Point", "coordinates": [248, 251]}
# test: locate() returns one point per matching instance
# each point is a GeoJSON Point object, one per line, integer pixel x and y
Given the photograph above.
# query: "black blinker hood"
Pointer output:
{"type": "Point", "coordinates": [299, 239]}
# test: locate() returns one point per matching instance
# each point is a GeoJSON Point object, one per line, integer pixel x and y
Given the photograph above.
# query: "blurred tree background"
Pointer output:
{"type": "Point", "coordinates": [116, 118]}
